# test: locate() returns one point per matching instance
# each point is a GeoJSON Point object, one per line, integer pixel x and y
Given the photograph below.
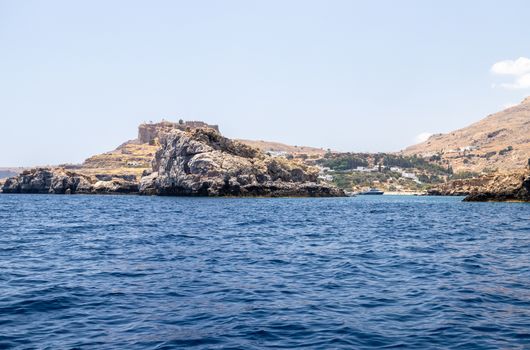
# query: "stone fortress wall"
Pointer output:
{"type": "Point", "coordinates": [148, 132]}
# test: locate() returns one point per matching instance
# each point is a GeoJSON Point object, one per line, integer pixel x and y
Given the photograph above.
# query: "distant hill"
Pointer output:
{"type": "Point", "coordinates": [268, 146]}
{"type": "Point", "coordinates": [500, 141]}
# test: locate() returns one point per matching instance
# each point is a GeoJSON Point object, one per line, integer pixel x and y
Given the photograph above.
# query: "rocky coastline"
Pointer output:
{"type": "Point", "coordinates": [496, 187]}
{"type": "Point", "coordinates": [194, 159]}
{"type": "Point", "coordinates": [192, 162]}
{"type": "Point", "coordinates": [518, 190]}
{"type": "Point", "coordinates": [201, 162]}
{"type": "Point", "coordinates": [61, 181]}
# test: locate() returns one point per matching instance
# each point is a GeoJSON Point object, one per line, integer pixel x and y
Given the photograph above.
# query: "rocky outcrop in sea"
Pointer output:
{"type": "Point", "coordinates": [201, 162]}
{"type": "Point", "coordinates": [191, 162]}
{"type": "Point", "coordinates": [61, 181]}
{"type": "Point", "coordinates": [460, 187]}
{"type": "Point", "coordinates": [495, 187]}
{"type": "Point", "coordinates": [504, 188]}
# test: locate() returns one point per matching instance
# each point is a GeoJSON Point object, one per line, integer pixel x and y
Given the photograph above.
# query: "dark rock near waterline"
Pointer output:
{"type": "Point", "coordinates": [59, 181]}
{"type": "Point", "coordinates": [502, 187]}
{"type": "Point", "coordinates": [45, 180]}
{"type": "Point", "coordinates": [494, 187]}
{"type": "Point", "coordinates": [498, 192]}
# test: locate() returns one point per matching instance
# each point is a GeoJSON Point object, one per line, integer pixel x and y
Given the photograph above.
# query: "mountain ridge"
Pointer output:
{"type": "Point", "coordinates": [500, 141]}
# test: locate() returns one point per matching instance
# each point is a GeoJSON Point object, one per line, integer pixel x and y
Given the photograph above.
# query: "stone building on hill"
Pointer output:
{"type": "Point", "coordinates": [148, 132]}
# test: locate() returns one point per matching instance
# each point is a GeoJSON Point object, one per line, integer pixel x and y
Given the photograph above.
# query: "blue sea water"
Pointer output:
{"type": "Point", "coordinates": [129, 272]}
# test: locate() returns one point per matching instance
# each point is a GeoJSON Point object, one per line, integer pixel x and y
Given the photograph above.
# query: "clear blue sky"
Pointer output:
{"type": "Point", "coordinates": [76, 78]}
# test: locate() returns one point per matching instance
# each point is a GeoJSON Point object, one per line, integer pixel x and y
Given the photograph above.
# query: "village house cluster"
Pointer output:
{"type": "Point", "coordinates": [324, 173]}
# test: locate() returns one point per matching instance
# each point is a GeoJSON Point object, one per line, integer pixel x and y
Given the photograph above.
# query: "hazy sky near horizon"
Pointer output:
{"type": "Point", "coordinates": [76, 78]}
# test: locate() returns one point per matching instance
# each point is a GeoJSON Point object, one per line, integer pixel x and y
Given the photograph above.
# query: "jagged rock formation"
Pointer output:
{"type": "Point", "coordinates": [505, 186]}
{"type": "Point", "coordinates": [500, 141]}
{"type": "Point", "coordinates": [195, 162]}
{"type": "Point", "coordinates": [201, 162]}
{"type": "Point", "coordinates": [61, 181]}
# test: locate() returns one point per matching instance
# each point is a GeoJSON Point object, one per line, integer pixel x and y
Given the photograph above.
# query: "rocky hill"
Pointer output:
{"type": "Point", "coordinates": [134, 157]}
{"type": "Point", "coordinates": [130, 158]}
{"type": "Point", "coordinates": [190, 161]}
{"type": "Point", "coordinates": [201, 162]}
{"type": "Point", "coordinates": [500, 141]}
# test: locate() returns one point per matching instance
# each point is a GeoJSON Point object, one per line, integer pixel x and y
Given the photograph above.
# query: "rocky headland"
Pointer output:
{"type": "Point", "coordinates": [496, 187]}
{"type": "Point", "coordinates": [514, 187]}
{"type": "Point", "coordinates": [201, 162]}
{"type": "Point", "coordinates": [190, 160]}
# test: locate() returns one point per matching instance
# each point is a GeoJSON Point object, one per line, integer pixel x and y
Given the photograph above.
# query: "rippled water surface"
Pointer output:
{"type": "Point", "coordinates": [129, 272]}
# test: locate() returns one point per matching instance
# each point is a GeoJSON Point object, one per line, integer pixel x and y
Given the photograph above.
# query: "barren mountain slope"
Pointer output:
{"type": "Point", "coordinates": [269, 146]}
{"type": "Point", "coordinates": [500, 141]}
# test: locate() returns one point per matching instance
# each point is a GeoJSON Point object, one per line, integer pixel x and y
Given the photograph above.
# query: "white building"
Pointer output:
{"type": "Point", "coordinates": [326, 177]}
{"type": "Point", "coordinates": [277, 153]}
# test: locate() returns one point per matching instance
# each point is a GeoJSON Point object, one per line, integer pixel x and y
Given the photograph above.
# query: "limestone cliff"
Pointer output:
{"type": "Point", "coordinates": [201, 162]}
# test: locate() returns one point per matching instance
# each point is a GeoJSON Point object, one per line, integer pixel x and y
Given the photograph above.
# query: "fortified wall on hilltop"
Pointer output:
{"type": "Point", "coordinates": [148, 132]}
